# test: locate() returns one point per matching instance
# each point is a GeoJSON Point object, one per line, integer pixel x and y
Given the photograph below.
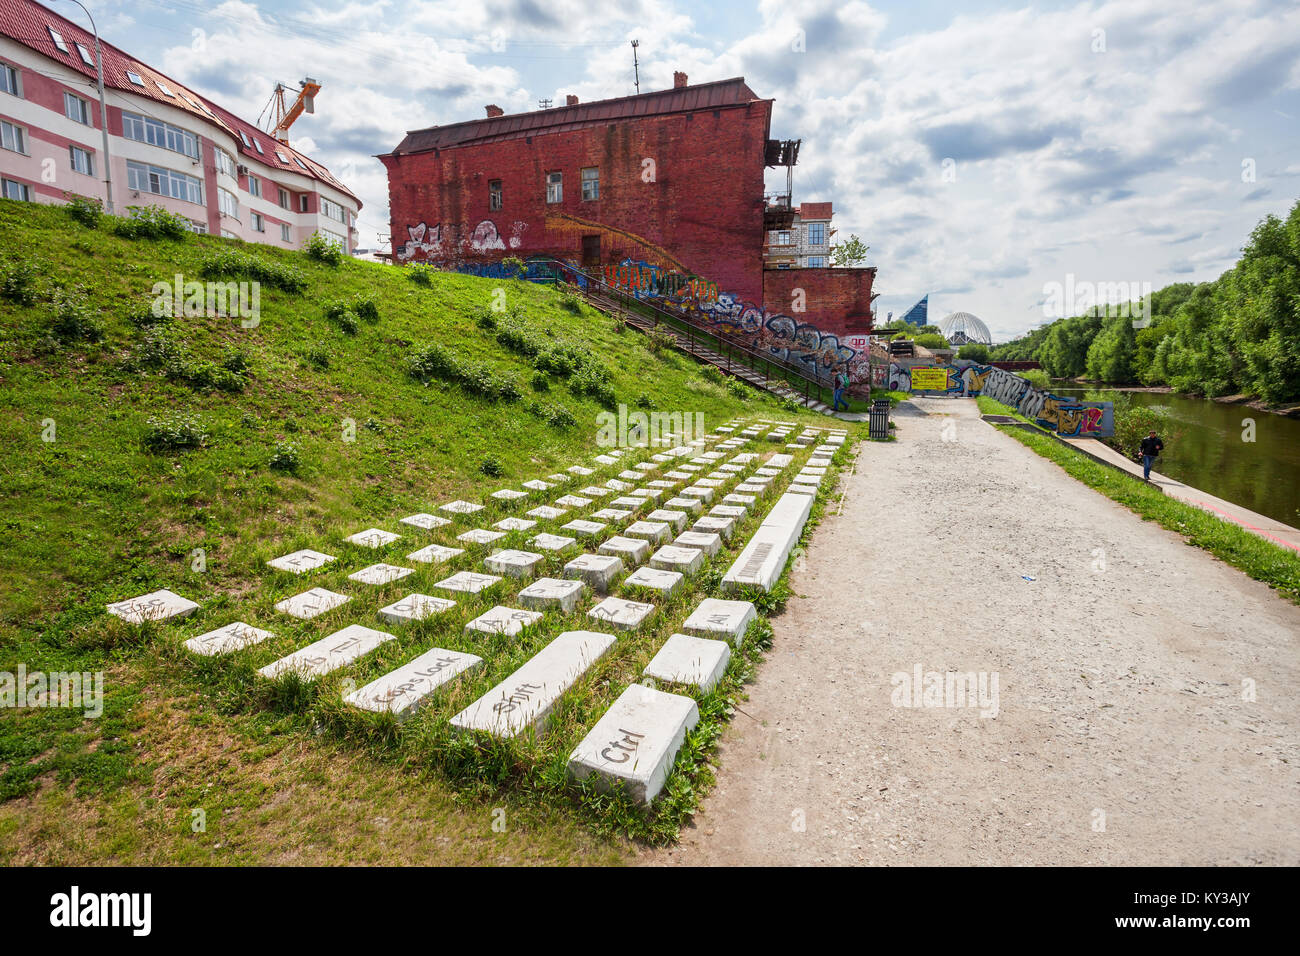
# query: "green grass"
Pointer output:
{"type": "Point", "coordinates": [1262, 560]}
{"type": "Point", "coordinates": [293, 434]}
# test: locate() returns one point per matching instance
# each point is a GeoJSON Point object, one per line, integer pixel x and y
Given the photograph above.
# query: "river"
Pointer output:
{"type": "Point", "coordinates": [1211, 454]}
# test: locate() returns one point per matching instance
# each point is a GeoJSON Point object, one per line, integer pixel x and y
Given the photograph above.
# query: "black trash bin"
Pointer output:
{"type": "Point", "coordinates": [879, 423]}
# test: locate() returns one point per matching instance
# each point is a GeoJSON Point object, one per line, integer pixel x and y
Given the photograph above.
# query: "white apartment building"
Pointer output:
{"type": "Point", "coordinates": [806, 244]}
{"type": "Point", "coordinates": [167, 145]}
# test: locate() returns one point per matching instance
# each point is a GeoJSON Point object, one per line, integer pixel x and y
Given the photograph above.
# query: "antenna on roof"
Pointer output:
{"type": "Point", "coordinates": [543, 104]}
{"type": "Point", "coordinates": [636, 67]}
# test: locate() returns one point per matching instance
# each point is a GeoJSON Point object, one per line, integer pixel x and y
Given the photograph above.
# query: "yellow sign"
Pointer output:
{"type": "Point", "coordinates": [929, 379]}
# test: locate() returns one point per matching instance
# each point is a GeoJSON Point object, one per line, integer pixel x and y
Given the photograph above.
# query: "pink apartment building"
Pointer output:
{"type": "Point", "coordinates": [168, 145]}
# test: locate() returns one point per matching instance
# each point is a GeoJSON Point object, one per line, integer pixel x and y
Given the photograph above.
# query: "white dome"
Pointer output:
{"type": "Point", "coordinates": [968, 325]}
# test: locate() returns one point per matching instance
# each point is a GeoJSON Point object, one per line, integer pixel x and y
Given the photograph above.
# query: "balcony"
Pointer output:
{"type": "Point", "coordinates": [778, 213]}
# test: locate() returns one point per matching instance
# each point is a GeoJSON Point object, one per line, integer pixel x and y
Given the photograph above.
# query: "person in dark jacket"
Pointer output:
{"type": "Point", "coordinates": [1151, 447]}
{"type": "Point", "coordinates": [841, 382]}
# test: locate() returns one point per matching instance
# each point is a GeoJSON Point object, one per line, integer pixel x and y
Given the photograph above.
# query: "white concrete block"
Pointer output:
{"type": "Point", "coordinates": [509, 494]}
{"type": "Point", "coordinates": [537, 485]}
{"type": "Point", "coordinates": [635, 743]}
{"type": "Point", "coordinates": [503, 620]}
{"type": "Point", "coordinates": [646, 466]}
{"type": "Point", "coordinates": [157, 605]}
{"type": "Point", "coordinates": [684, 659]}
{"type": "Point", "coordinates": [692, 505]}
{"type": "Point", "coordinates": [611, 515]}
{"type": "Point", "coordinates": [403, 691]}
{"type": "Point", "coordinates": [706, 541]}
{"type": "Point", "coordinates": [728, 469]}
{"type": "Point", "coordinates": [460, 507]}
{"type": "Point", "coordinates": [480, 536]}
{"type": "Point", "coordinates": [552, 593]}
{"type": "Point", "coordinates": [744, 458]}
{"type": "Point", "coordinates": [713, 483]}
{"type": "Point", "coordinates": [415, 607]}
{"type": "Point", "coordinates": [764, 557]}
{"type": "Point", "coordinates": [672, 558]}
{"type": "Point", "coordinates": [615, 485]}
{"type": "Point", "coordinates": [373, 538]}
{"type": "Point", "coordinates": [597, 571]}
{"type": "Point", "coordinates": [524, 699]}
{"type": "Point", "coordinates": [655, 531]}
{"type": "Point", "coordinates": [300, 562]}
{"type": "Point", "coordinates": [309, 604]}
{"type": "Point", "coordinates": [631, 550]}
{"type": "Point", "coordinates": [751, 489]}
{"type": "Point", "coordinates": [595, 491]}
{"type": "Point", "coordinates": [627, 474]}
{"type": "Point", "coordinates": [796, 488]}
{"type": "Point", "coordinates": [512, 563]}
{"type": "Point", "coordinates": [425, 521]}
{"type": "Point", "coordinates": [811, 470]}
{"type": "Point", "coordinates": [677, 519]}
{"type": "Point", "coordinates": [224, 640]}
{"type": "Point", "coordinates": [629, 503]}
{"type": "Point", "coordinates": [572, 501]}
{"type": "Point", "coordinates": [377, 574]}
{"type": "Point", "coordinates": [717, 618]}
{"type": "Point", "coordinates": [679, 475]}
{"type": "Point", "coordinates": [546, 513]}
{"type": "Point", "coordinates": [767, 472]}
{"type": "Point", "coordinates": [806, 479]}
{"type": "Point", "coordinates": [621, 614]}
{"type": "Point", "coordinates": [662, 484]}
{"type": "Point", "coordinates": [779, 461]}
{"type": "Point", "coordinates": [584, 529]}
{"type": "Point", "coordinates": [558, 478]}
{"type": "Point", "coordinates": [665, 583]}
{"type": "Point", "coordinates": [715, 524]}
{"type": "Point", "coordinates": [579, 470]}
{"type": "Point", "coordinates": [467, 582]}
{"type": "Point", "coordinates": [434, 554]}
{"type": "Point", "coordinates": [514, 524]}
{"type": "Point", "coordinates": [605, 459]}
{"type": "Point", "coordinates": [552, 542]}
{"type": "Point", "coordinates": [329, 653]}
{"type": "Point", "coordinates": [728, 511]}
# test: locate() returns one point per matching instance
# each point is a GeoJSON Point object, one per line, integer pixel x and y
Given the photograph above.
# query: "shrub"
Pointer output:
{"type": "Point", "coordinates": [643, 401]}
{"type": "Point", "coordinates": [83, 210]}
{"type": "Point", "coordinates": [420, 274]}
{"type": "Point", "coordinates": [434, 361]}
{"type": "Point", "coordinates": [790, 405]}
{"type": "Point", "coordinates": [285, 458]}
{"type": "Point", "coordinates": [490, 466]}
{"type": "Point", "coordinates": [738, 388]}
{"type": "Point", "coordinates": [713, 374]}
{"type": "Point", "coordinates": [173, 433]}
{"type": "Point", "coordinates": [931, 340]}
{"type": "Point", "coordinates": [541, 382]}
{"type": "Point", "coordinates": [1036, 377]}
{"type": "Point", "coordinates": [484, 318]}
{"type": "Point", "coordinates": [975, 352]}
{"type": "Point", "coordinates": [323, 249]}
{"type": "Point", "coordinates": [561, 417]}
{"type": "Point", "coordinates": [233, 264]}
{"type": "Point", "coordinates": [151, 222]}
{"type": "Point", "coordinates": [571, 302]}
{"type": "Point", "coordinates": [18, 283]}
{"type": "Point", "coordinates": [1134, 422]}
{"type": "Point", "coordinates": [661, 340]}
{"type": "Point", "coordinates": [513, 264]}
{"type": "Point", "coordinates": [143, 316]}
{"type": "Point", "coordinates": [73, 319]}
{"type": "Point", "coordinates": [317, 356]}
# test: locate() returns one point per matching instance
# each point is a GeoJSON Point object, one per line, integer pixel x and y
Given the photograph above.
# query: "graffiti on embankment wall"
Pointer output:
{"type": "Point", "coordinates": [784, 337]}
{"type": "Point", "coordinates": [1065, 416]}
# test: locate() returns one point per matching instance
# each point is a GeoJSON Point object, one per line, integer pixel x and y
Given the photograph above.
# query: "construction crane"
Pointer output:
{"type": "Point", "coordinates": [283, 116]}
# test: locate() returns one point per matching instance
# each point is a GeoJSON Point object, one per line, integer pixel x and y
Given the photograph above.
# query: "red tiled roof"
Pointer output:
{"type": "Point", "coordinates": [28, 23]}
{"type": "Point", "coordinates": [815, 210]}
{"type": "Point", "coordinates": [703, 96]}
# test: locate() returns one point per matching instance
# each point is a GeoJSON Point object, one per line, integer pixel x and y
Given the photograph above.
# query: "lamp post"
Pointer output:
{"type": "Point", "coordinates": [103, 112]}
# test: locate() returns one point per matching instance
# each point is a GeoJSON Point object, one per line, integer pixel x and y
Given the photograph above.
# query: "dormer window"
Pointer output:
{"type": "Point", "coordinates": [58, 40]}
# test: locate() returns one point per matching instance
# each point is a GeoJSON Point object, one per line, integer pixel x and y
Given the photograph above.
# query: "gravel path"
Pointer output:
{"type": "Point", "coordinates": [1121, 734]}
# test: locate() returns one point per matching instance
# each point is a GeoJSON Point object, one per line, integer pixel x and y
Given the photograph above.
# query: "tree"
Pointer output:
{"type": "Point", "coordinates": [848, 253]}
{"type": "Point", "coordinates": [931, 340]}
{"type": "Point", "coordinates": [1110, 356]}
{"type": "Point", "coordinates": [975, 351]}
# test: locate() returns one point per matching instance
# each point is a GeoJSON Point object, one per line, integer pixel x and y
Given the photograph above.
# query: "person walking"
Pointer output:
{"type": "Point", "coordinates": [841, 380]}
{"type": "Point", "coordinates": [1151, 447]}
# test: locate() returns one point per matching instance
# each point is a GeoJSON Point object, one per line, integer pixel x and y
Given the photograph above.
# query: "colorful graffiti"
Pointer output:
{"type": "Point", "coordinates": [648, 281]}
{"type": "Point", "coordinates": [428, 241]}
{"type": "Point", "coordinates": [1065, 416]}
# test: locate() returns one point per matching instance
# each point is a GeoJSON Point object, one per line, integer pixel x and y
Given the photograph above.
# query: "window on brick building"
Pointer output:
{"type": "Point", "coordinates": [76, 109]}
{"type": "Point", "coordinates": [494, 194]}
{"type": "Point", "coordinates": [816, 233]}
{"type": "Point", "coordinates": [555, 187]}
{"type": "Point", "coordinates": [284, 198]}
{"type": "Point", "coordinates": [13, 137]}
{"type": "Point", "coordinates": [259, 224]}
{"type": "Point", "coordinates": [9, 80]}
{"type": "Point", "coordinates": [783, 238]}
{"type": "Point", "coordinates": [591, 183]}
{"type": "Point", "coordinates": [15, 190]}
{"type": "Point", "coordinates": [816, 262]}
{"type": "Point", "coordinates": [254, 186]}
{"type": "Point", "coordinates": [81, 160]}
{"type": "Point", "coordinates": [303, 203]}
{"type": "Point", "coordinates": [284, 232]}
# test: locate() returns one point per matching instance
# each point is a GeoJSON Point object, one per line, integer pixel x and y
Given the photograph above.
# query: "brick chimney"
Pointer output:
{"type": "Point", "coordinates": [570, 100]}
{"type": "Point", "coordinates": [679, 80]}
{"type": "Point", "coordinates": [494, 110]}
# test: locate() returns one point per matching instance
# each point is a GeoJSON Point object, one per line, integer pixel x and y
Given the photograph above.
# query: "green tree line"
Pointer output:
{"type": "Point", "coordinates": [1238, 333]}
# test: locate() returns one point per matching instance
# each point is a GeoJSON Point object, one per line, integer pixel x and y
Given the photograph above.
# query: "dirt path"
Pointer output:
{"type": "Point", "coordinates": [1120, 671]}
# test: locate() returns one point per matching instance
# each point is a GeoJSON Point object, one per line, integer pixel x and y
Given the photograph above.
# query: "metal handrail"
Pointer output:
{"type": "Point", "coordinates": [726, 347]}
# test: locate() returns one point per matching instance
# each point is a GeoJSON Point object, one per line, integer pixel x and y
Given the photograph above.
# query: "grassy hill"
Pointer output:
{"type": "Point", "coordinates": [183, 452]}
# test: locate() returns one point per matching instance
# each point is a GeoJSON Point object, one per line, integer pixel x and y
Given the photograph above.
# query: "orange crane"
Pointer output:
{"type": "Point", "coordinates": [285, 115]}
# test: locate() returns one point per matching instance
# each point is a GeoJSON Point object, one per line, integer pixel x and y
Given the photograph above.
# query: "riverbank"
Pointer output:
{"type": "Point", "coordinates": [1249, 401]}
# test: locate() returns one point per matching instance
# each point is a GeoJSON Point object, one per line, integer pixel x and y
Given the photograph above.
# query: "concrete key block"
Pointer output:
{"type": "Point", "coordinates": [415, 607]}
{"type": "Point", "coordinates": [684, 659]}
{"type": "Point", "coordinates": [373, 538]}
{"type": "Point", "coordinates": [503, 620]}
{"type": "Point", "coordinates": [675, 518]}
{"type": "Point", "coordinates": [597, 571]}
{"type": "Point", "coordinates": [480, 536]}
{"type": "Point", "coordinates": [665, 583]}
{"type": "Point", "coordinates": [160, 605]}
{"type": "Point", "coordinates": [620, 613]}
{"type": "Point", "coordinates": [311, 603]}
{"type": "Point", "coordinates": [402, 692]}
{"type": "Point", "coordinates": [329, 653]}
{"type": "Point", "coordinates": [513, 564]}
{"type": "Point", "coordinates": [514, 524]}
{"type": "Point", "coordinates": [655, 531]}
{"type": "Point", "coordinates": [380, 574]}
{"type": "Point", "coordinates": [425, 521]}
{"type": "Point", "coordinates": [434, 554]}
{"type": "Point", "coordinates": [718, 618]}
{"type": "Point", "coordinates": [705, 541]}
{"type": "Point", "coordinates": [632, 550]}
{"type": "Point", "coordinates": [467, 582]}
{"type": "Point", "coordinates": [584, 529]}
{"type": "Point", "coordinates": [671, 558]}
{"type": "Point", "coordinates": [611, 515]}
{"type": "Point", "coordinates": [225, 640]}
{"type": "Point", "coordinates": [552, 542]}
{"type": "Point", "coordinates": [460, 507]}
{"type": "Point", "coordinates": [572, 501]}
{"type": "Point", "coordinates": [635, 743]}
{"type": "Point", "coordinates": [715, 524]}
{"type": "Point", "coordinates": [300, 562]}
{"type": "Point", "coordinates": [547, 593]}
{"type": "Point", "coordinates": [524, 700]}
{"type": "Point", "coordinates": [546, 513]}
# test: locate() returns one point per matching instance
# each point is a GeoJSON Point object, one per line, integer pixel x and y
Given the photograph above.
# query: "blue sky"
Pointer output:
{"type": "Point", "coordinates": [983, 150]}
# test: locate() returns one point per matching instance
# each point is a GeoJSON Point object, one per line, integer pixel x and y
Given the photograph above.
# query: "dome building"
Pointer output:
{"type": "Point", "coordinates": [960, 328]}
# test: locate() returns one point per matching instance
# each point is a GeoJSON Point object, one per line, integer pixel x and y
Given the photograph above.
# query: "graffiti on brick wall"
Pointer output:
{"type": "Point", "coordinates": [646, 280]}
{"type": "Point", "coordinates": [1065, 416]}
{"type": "Point", "coordinates": [535, 269]}
{"type": "Point", "coordinates": [428, 243]}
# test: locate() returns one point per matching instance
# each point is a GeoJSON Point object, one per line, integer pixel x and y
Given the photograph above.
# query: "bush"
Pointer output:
{"type": "Point", "coordinates": [513, 264]}
{"type": "Point", "coordinates": [317, 356]}
{"type": "Point", "coordinates": [484, 318]}
{"type": "Point", "coordinates": [790, 405]}
{"type": "Point", "coordinates": [541, 382]}
{"type": "Point", "coordinates": [738, 388]}
{"type": "Point", "coordinates": [151, 222]}
{"type": "Point", "coordinates": [434, 361]}
{"type": "Point", "coordinates": [490, 466]}
{"type": "Point", "coordinates": [323, 249]}
{"type": "Point", "coordinates": [286, 457]}
{"type": "Point", "coordinates": [931, 340]}
{"type": "Point", "coordinates": [173, 433]}
{"type": "Point", "coordinates": [73, 319]}
{"type": "Point", "coordinates": [713, 374]}
{"type": "Point", "coordinates": [561, 417]}
{"type": "Point", "coordinates": [1134, 422]}
{"type": "Point", "coordinates": [83, 210]}
{"type": "Point", "coordinates": [477, 378]}
{"type": "Point", "coordinates": [18, 283]}
{"type": "Point", "coordinates": [975, 352]}
{"type": "Point", "coordinates": [233, 264]}
{"type": "Point", "coordinates": [571, 302]}
{"type": "Point", "coordinates": [643, 401]}
{"type": "Point", "coordinates": [420, 274]}
{"type": "Point", "coordinates": [1036, 377]}
{"type": "Point", "coordinates": [661, 341]}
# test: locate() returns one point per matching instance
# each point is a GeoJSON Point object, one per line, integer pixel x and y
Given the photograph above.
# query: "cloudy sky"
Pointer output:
{"type": "Point", "coordinates": [983, 149]}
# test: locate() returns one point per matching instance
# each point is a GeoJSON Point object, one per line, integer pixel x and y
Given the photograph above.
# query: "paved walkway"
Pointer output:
{"type": "Point", "coordinates": [1121, 735]}
{"type": "Point", "coordinates": [1262, 525]}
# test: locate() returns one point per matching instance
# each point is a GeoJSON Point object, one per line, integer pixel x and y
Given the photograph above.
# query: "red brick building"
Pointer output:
{"type": "Point", "coordinates": [662, 193]}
